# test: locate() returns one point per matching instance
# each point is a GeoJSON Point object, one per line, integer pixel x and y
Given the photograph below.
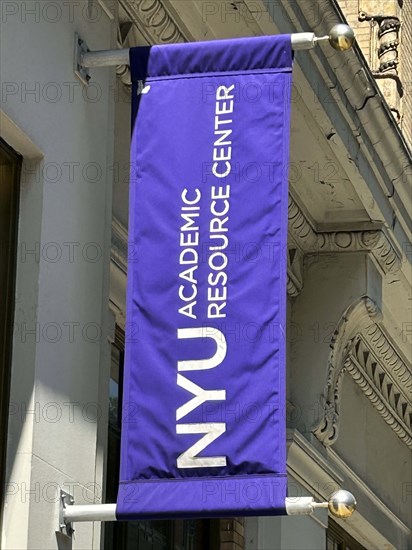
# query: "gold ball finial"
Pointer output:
{"type": "Point", "coordinates": [341, 37]}
{"type": "Point", "coordinates": [342, 504]}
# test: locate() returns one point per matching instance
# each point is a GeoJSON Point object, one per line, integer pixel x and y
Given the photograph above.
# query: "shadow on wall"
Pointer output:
{"type": "Point", "coordinates": [64, 542]}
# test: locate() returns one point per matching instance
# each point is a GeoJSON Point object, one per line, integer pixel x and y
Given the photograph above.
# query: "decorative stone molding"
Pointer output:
{"type": "Point", "coordinates": [388, 35]}
{"type": "Point", "coordinates": [355, 318]}
{"type": "Point", "coordinates": [385, 32]}
{"type": "Point", "coordinates": [300, 229]}
{"type": "Point", "coordinates": [107, 9]}
{"type": "Point", "coordinates": [295, 275]}
{"type": "Point", "coordinates": [123, 71]}
{"type": "Point", "coordinates": [386, 396]}
{"type": "Point", "coordinates": [293, 289]}
{"type": "Point", "coordinates": [375, 242]}
{"type": "Point", "coordinates": [361, 348]}
{"type": "Point", "coordinates": [385, 353]}
{"type": "Point", "coordinates": [152, 19]}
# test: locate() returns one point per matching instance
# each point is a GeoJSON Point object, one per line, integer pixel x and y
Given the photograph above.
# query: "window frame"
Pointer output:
{"type": "Point", "coordinates": [9, 249]}
{"type": "Point", "coordinates": [337, 535]}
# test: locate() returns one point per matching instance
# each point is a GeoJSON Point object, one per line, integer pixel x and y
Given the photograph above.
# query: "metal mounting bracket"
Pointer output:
{"type": "Point", "coordinates": [80, 48]}
{"type": "Point", "coordinates": [65, 527]}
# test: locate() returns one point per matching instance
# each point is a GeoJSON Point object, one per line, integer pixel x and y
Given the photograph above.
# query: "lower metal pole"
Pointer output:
{"type": "Point", "coordinates": [341, 504]}
{"type": "Point", "coordinates": [74, 513]}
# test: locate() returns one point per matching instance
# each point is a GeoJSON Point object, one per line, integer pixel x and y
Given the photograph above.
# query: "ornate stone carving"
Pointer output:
{"type": "Point", "coordinates": [388, 32]}
{"type": "Point", "coordinates": [302, 233]}
{"type": "Point", "coordinates": [361, 348]}
{"type": "Point", "coordinates": [385, 353]}
{"type": "Point", "coordinates": [153, 20]}
{"type": "Point", "coordinates": [299, 228]}
{"type": "Point", "coordinates": [375, 242]}
{"type": "Point", "coordinates": [123, 71]}
{"type": "Point", "coordinates": [358, 316]}
{"type": "Point", "coordinates": [295, 276]}
{"type": "Point", "coordinates": [379, 385]}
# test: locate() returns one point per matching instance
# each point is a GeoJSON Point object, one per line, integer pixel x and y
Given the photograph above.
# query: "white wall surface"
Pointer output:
{"type": "Point", "coordinates": [60, 348]}
{"type": "Point", "coordinates": [286, 533]}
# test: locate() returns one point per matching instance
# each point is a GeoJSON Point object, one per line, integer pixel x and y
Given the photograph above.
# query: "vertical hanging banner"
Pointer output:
{"type": "Point", "coordinates": [203, 418]}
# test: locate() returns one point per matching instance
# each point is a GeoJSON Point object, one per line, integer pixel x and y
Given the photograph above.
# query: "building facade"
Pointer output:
{"type": "Point", "coordinates": [64, 161]}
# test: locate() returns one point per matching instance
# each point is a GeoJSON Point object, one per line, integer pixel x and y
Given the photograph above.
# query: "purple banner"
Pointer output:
{"type": "Point", "coordinates": [203, 425]}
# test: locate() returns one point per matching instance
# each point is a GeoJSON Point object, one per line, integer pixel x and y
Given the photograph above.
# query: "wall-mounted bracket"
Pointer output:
{"type": "Point", "coordinates": [65, 525]}
{"type": "Point", "coordinates": [80, 48]}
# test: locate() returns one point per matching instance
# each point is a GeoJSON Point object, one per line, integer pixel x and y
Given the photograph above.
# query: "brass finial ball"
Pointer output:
{"type": "Point", "coordinates": [342, 504]}
{"type": "Point", "coordinates": [341, 37]}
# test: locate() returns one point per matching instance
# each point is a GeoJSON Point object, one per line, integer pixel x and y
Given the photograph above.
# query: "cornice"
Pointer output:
{"type": "Point", "coordinates": [361, 348]}
{"type": "Point", "coordinates": [153, 21]}
{"type": "Point", "coordinates": [156, 23]}
{"type": "Point", "coordinates": [375, 242]}
{"type": "Point", "coordinates": [300, 230]}
{"type": "Point", "coordinates": [374, 136]}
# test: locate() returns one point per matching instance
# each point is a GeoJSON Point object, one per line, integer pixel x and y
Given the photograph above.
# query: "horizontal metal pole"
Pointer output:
{"type": "Point", "coordinates": [110, 58]}
{"type": "Point", "coordinates": [107, 512]}
{"type": "Point", "coordinates": [89, 512]}
{"type": "Point", "coordinates": [104, 58]}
